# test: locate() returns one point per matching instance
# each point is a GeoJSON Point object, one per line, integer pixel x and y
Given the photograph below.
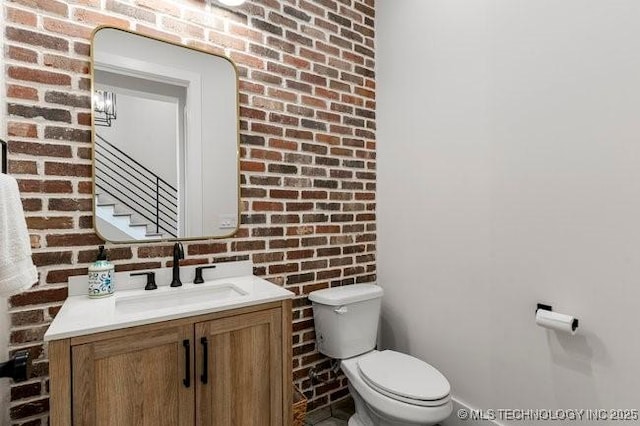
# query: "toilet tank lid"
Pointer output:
{"type": "Point", "coordinates": [346, 294]}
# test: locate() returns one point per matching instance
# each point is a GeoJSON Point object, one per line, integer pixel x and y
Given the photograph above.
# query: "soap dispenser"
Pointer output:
{"type": "Point", "coordinates": [101, 279]}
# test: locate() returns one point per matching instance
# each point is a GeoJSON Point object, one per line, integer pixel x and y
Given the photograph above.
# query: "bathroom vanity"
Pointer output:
{"type": "Point", "coordinates": [217, 353]}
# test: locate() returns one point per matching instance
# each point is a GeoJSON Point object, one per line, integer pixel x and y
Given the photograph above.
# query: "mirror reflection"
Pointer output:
{"type": "Point", "coordinates": [165, 140]}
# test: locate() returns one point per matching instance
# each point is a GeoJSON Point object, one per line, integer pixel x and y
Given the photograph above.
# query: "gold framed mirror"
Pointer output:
{"type": "Point", "coordinates": [165, 140]}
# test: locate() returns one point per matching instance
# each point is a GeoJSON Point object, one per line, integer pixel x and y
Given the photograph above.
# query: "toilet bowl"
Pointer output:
{"type": "Point", "coordinates": [394, 389]}
{"type": "Point", "coordinates": [389, 388]}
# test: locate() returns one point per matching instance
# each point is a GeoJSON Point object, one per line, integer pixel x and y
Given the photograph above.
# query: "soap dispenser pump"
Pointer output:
{"type": "Point", "coordinates": [101, 275]}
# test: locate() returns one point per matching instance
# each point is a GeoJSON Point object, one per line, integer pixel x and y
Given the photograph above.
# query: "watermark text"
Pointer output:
{"type": "Point", "coordinates": [548, 415]}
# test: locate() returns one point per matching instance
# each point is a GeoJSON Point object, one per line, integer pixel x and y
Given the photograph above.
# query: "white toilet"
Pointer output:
{"type": "Point", "coordinates": [389, 388]}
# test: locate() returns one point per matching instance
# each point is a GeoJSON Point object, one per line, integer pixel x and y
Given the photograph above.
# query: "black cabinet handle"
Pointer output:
{"type": "Point", "coordinates": [204, 377]}
{"type": "Point", "coordinates": [187, 363]}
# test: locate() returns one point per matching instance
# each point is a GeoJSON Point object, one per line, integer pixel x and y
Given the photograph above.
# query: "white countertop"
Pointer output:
{"type": "Point", "coordinates": [81, 315]}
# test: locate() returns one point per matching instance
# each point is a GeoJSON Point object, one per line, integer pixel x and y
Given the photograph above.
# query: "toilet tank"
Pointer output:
{"type": "Point", "coordinates": [346, 319]}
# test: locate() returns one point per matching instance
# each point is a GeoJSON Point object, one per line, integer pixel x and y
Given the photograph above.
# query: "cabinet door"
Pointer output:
{"type": "Point", "coordinates": [243, 385]}
{"type": "Point", "coordinates": [135, 380]}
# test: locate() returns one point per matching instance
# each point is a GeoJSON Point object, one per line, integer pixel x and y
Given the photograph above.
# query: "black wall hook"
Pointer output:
{"type": "Point", "coordinates": [5, 160]}
{"type": "Point", "coordinates": [18, 368]}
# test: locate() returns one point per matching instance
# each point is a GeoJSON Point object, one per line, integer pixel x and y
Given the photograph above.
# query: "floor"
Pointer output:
{"type": "Point", "coordinates": [335, 415]}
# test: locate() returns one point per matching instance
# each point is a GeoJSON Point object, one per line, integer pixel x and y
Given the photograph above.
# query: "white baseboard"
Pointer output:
{"type": "Point", "coordinates": [456, 420]}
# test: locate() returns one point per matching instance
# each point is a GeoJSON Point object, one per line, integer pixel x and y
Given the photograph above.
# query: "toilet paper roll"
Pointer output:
{"type": "Point", "coordinates": [556, 321]}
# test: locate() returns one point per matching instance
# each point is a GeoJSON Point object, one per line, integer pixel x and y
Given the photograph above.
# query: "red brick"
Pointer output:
{"type": "Point", "coordinates": [83, 49]}
{"type": "Point", "coordinates": [137, 266]}
{"type": "Point", "coordinates": [283, 144]}
{"type": "Point", "coordinates": [39, 149]}
{"type": "Point", "coordinates": [22, 167]}
{"type": "Point", "coordinates": [66, 28]}
{"type": "Point", "coordinates": [152, 32]}
{"type": "Point", "coordinates": [283, 194]}
{"type": "Point", "coordinates": [23, 318]}
{"type": "Point", "coordinates": [267, 206]}
{"type": "Point", "coordinates": [37, 39]}
{"type": "Point", "coordinates": [70, 204]}
{"type": "Point", "coordinates": [51, 6]}
{"type": "Point", "coordinates": [70, 240]}
{"type": "Point", "coordinates": [21, 54]}
{"type": "Point", "coordinates": [49, 222]}
{"type": "Point", "coordinates": [32, 205]}
{"type": "Point", "coordinates": [66, 64]}
{"type": "Point", "coordinates": [24, 130]}
{"type": "Point", "coordinates": [85, 187]}
{"type": "Point", "coordinates": [38, 297]}
{"type": "Point", "coordinates": [52, 258]}
{"type": "Point", "coordinates": [28, 409]}
{"type": "Point", "coordinates": [155, 251]}
{"type": "Point", "coordinates": [252, 166]}
{"type": "Point", "coordinates": [84, 118]}
{"type": "Point", "coordinates": [38, 76]}
{"type": "Point", "coordinates": [30, 111]}
{"type": "Point", "coordinates": [297, 62]}
{"type": "Point", "coordinates": [25, 390]}
{"type": "Point", "coordinates": [208, 248]}
{"type": "Point", "coordinates": [22, 92]}
{"type": "Point", "coordinates": [248, 245]}
{"type": "Point", "coordinates": [62, 276]}
{"type": "Point", "coordinates": [21, 17]}
{"type": "Point", "coordinates": [182, 28]}
{"type": "Point", "coordinates": [66, 169]}
{"type": "Point", "coordinates": [114, 253]}
{"type": "Point", "coordinates": [131, 11]}
{"type": "Point", "coordinates": [45, 186]}
{"type": "Point", "coordinates": [91, 17]}
{"type": "Point", "coordinates": [53, 310]}
{"type": "Point", "coordinates": [160, 6]}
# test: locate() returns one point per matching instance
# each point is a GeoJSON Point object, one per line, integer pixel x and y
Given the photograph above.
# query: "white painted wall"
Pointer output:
{"type": "Point", "coordinates": [509, 174]}
{"type": "Point", "coordinates": [147, 130]}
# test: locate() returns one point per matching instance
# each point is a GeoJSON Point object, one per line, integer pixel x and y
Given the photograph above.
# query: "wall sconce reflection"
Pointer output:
{"type": "Point", "coordinates": [104, 108]}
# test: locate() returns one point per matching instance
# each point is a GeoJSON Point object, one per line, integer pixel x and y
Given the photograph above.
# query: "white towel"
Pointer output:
{"type": "Point", "coordinates": [17, 271]}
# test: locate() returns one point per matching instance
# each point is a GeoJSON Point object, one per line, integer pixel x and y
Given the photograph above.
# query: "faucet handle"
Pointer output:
{"type": "Point", "coordinates": [199, 269]}
{"type": "Point", "coordinates": [178, 251]}
{"type": "Point", "coordinates": [151, 279]}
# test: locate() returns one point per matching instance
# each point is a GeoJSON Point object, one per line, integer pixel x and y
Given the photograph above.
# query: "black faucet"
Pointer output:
{"type": "Point", "coordinates": [178, 253]}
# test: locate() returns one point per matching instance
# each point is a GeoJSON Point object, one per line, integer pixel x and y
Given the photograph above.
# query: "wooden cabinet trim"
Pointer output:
{"type": "Point", "coordinates": [101, 370]}
{"type": "Point", "coordinates": [213, 405]}
{"type": "Point", "coordinates": [136, 341]}
{"type": "Point", "coordinates": [287, 361]}
{"type": "Point", "coordinates": [79, 340]}
{"type": "Point", "coordinates": [60, 383]}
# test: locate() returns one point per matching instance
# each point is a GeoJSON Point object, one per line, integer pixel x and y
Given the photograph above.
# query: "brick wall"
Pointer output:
{"type": "Point", "coordinates": [307, 97]}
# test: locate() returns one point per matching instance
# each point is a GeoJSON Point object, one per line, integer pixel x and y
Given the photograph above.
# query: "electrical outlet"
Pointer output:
{"type": "Point", "coordinates": [227, 221]}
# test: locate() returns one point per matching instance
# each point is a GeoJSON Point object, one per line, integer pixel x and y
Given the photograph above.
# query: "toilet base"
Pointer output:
{"type": "Point", "coordinates": [367, 416]}
{"type": "Point", "coordinates": [354, 421]}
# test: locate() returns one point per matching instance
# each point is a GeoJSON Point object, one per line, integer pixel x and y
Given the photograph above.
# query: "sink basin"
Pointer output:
{"type": "Point", "coordinates": [172, 297]}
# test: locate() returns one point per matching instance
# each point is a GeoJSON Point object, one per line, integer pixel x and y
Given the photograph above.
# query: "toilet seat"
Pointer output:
{"type": "Point", "coordinates": [404, 378]}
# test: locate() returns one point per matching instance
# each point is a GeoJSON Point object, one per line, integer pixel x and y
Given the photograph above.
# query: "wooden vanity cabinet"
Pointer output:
{"type": "Point", "coordinates": [226, 368]}
{"type": "Point", "coordinates": [135, 379]}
